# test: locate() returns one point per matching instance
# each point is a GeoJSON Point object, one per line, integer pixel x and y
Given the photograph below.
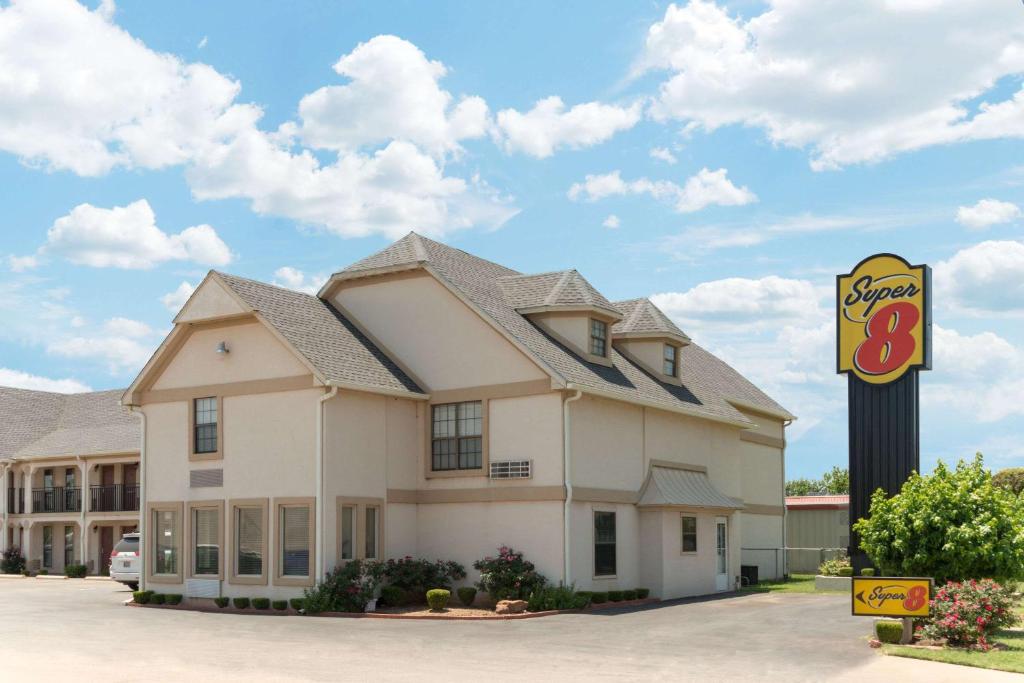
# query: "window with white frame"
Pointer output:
{"type": "Point", "coordinates": [598, 337]}
{"type": "Point", "coordinates": [205, 425]}
{"type": "Point", "coordinates": [604, 543]}
{"type": "Point", "coordinates": [670, 363]}
{"type": "Point", "coordinates": [457, 436]}
{"type": "Point", "coordinates": [689, 534]}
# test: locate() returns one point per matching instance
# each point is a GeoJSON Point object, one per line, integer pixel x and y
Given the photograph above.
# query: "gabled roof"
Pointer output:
{"type": "Point", "coordinates": [41, 423]}
{"type": "Point", "coordinates": [559, 290]}
{"type": "Point", "coordinates": [335, 348]}
{"type": "Point", "coordinates": [708, 384]}
{"type": "Point", "coordinates": [672, 486]}
{"type": "Point", "coordinates": [641, 318]}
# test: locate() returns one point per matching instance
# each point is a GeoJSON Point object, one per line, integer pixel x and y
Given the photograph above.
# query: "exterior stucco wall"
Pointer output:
{"type": "Point", "coordinates": [627, 547]}
{"type": "Point", "coordinates": [211, 300]}
{"type": "Point", "coordinates": [573, 329]}
{"type": "Point", "coordinates": [761, 473]}
{"type": "Point", "coordinates": [763, 544]}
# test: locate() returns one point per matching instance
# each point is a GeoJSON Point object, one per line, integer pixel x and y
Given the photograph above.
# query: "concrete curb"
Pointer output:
{"type": "Point", "coordinates": [832, 583]}
{"type": "Point", "coordinates": [52, 577]}
{"type": "Point", "coordinates": [12, 576]}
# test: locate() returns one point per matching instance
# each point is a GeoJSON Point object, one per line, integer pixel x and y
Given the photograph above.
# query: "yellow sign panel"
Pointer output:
{"type": "Point", "coordinates": [879, 596]}
{"type": "Point", "coordinates": [883, 311]}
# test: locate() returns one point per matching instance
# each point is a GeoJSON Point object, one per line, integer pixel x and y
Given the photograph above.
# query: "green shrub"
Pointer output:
{"type": "Point", "coordinates": [12, 561]}
{"type": "Point", "coordinates": [26, 572]}
{"type": "Point", "coordinates": [846, 571]}
{"type": "Point", "coordinates": [261, 603]}
{"type": "Point", "coordinates": [222, 602]}
{"type": "Point", "coordinates": [467, 594]}
{"type": "Point", "coordinates": [889, 631]}
{"type": "Point", "coordinates": [279, 605]}
{"type": "Point", "coordinates": [346, 588]}
{"type": "Point", "coordinates": [950, 525]}
{"type": "Point", "coordinates": [418, 576]}
{"type": "Point", "coordinates": [392, 596]}
{"type": "Point", "coordinates": [557, 598]}
{"type": "Point", "coordinates": [867, 571]}
{"type": "Point", "coordinates": [75, 571]}
{"type": "Point", "coordinates": [598, 597]}
{"type": "Point", "coordinates": [508, 576]}
{"type": "Point", "coordinates": [615, 596]}
{"type": "Point", "coordinates": [297, 604]}
{"type": "Point", "coordinates": [1011, 479]}
{"type": "Point", "coordinates": [44, 572]}
{"type": "Point", "coordinates": [142, 597]}
{"type": "Point", "coordinates": [629, 595]}
{"type": "Point", "coordinates": [832, 566]}
{"type": "Point", "coordinates": [157, 599]}
{"type": "Point", "coordinates": [643, 593]}
{"type": "Point", "coordinates": [438, 598]}
{"type": "Point", "coordinates": [966, 614]}
{"type": "Point", "coordinates": [173, 598]}
{"type": "Point", "coordinates": [240, 603]}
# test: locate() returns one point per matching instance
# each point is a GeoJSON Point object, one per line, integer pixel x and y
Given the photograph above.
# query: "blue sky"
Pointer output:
{"type": "Point", "coordinates": [725, 159]}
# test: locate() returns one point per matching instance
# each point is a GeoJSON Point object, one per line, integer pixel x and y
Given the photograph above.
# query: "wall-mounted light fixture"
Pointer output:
{"type": "Point", "coordinates": [222, 347]}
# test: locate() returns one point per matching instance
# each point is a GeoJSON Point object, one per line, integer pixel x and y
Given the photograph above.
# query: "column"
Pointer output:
{"type": "Point", "coordinates": [26, 543]}
{"type": "Point", "coordinates": [85, 544]}
{"type": "Point", "coordinates": [83, 467]}
{"type": "Point", "coordinates": [27, 484]}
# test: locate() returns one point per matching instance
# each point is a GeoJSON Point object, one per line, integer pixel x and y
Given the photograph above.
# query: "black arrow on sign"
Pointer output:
{"type": "Point", "coordinates": [860, 596]}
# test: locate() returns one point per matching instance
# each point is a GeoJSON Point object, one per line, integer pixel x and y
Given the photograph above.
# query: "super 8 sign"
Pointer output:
{"type": "Point", "coordinates": [883, 310]}
{"type": "Point", "coordinates": [890, 596]}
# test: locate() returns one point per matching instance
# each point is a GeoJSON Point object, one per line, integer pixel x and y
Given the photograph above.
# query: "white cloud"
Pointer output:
{"type": "Point", "coordinates": [23, 380]}
{"type": "Point", "coordinates": [663, 154]}
{"type": "Point", "coordinates": [173, 301]}
{"type": "Point", "coordinates": [126, 327]}
{"type": "Point", "coordinates": [612, 222]}
{"type": "Point", "coordinates": [549, 127]}
{"type": "Point", "coordinates": [122, 344]}
{"type": "Point", "coordinates": [738, 301]}
{"type": "Point", "coordinates": [203, 42]}
{"type": "Point", "coordinates": [393, 93]}
{"type": "Point", "coordinates": [128, 237]}
{"type": "Point", "coordinates": [983, 278]}
{"type": "Point", "coordinates": [293, 278]}
{"type": "Point", "coordinates": [986, 213]}
{"type": "Point", "coordinates": [19, 264]}
{"type": "Point", "coordinates": [853, 81]}
{"type": "Point", "coordinates": [704, 189]}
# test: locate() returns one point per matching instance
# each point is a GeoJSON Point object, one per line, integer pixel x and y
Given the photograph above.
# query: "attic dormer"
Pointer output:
{"type": "Point", "coordinates": [647, 337]}
{"type": "Point", "coordinates": [568, 308]}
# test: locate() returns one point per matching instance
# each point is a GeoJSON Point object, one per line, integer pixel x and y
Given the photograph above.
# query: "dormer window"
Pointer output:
{"type": "Point", "coordinates": [598, 337]}
{"type": "Point", "coordinates": [670, 360]}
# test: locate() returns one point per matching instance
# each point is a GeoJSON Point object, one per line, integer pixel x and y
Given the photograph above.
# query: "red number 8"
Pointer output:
{"type": "Point", "coordinates": [889, 345]}
{"type": "Point", "coordinates": [916, 597]}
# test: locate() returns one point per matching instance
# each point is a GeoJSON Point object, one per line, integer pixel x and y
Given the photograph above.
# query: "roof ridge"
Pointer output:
{"type": "Point", "coordinates": [552, 296]}
{"type": "Point", "coordinates": [526, 275]}
{"type": "Point", "coordinates": [266, 284]}
{"type": "Point", "coordinates": [417, 246]}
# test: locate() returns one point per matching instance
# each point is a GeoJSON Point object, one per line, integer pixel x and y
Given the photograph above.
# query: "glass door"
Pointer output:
{"type": "Point", "coordinates": [722, 554]}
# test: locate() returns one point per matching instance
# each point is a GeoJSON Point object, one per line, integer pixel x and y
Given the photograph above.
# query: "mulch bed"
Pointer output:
{"type": "Point", "coordinates": [412, 612]}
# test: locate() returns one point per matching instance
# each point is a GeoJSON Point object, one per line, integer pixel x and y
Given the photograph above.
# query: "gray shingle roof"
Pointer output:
{"type": "Point", "coordinates": [326, 339]}
{"type": "Point", "coordinates": [672, 486]}
{"type": "Point", "coordinates": [565, 288]}
{"type": "Point", "coordinates": [641, 316]}
{"type": "Point", "coordinates": [40, 423]}
{"type": "Point", "coordinates": [707, 382]}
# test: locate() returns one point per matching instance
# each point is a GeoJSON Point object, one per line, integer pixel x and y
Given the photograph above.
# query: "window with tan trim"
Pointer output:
{"type": "Point", "coordinates": [605, 563]}
{"type": "Point", "coordinates": [206, 539]}
{"type": "Point", "coordinates": [689, 533]}
{"type": "Point", "coordinates": [164, 562]}
{"type": "Point", "coordinates": [249, 540]}
{"type": "Point", "coordinates": [206, 428]}
{"type": "Point", "coordinates": [670, 362]}
{"type": "Point", "coordinates": [457, 436]}
{"type": "Point", "coordinates": [295, 557]}
{"type": "Point", "coordinates": [360, 528]}
{"type": "Point", "coordinates": [598, 337]}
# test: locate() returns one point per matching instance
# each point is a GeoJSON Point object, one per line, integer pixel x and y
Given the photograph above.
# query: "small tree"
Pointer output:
{"type": "Point", "coordinates": [1011, 479]}
{"type": "Point", "coordinates": [836, 481]}
{"type": "Point", "coordinates": [804, 487]}
{"type": "Point", "coordinates": [950, 525]}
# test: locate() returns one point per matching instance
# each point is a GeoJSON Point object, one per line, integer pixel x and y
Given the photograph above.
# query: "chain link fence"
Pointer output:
{"type": "Point", "coordinates": [774, 563]}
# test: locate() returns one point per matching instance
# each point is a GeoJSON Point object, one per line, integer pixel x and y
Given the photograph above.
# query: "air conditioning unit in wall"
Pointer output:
{"type": "Point", "coordinates": [511, 469]}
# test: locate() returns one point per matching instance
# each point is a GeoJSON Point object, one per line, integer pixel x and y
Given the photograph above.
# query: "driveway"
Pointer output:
{"type": "Point", "coordinates": [78, 627]}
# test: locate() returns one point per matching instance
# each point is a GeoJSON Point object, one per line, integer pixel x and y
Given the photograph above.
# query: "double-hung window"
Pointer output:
{"type": "Point", "coordinates": [249, 541]}
{"type": "Point", "coordinates": [689, 534]}
{"type": "Point", "coordinates": [205, 525]}
{"type": "Point", "coordinates": [205, 425]}
{"type": "Point", "coordinates": [295, 541]}
{"type": "Point", "coordinates": [598, 338]}
{"type": "Point", "coordinates": [670, 364]}
{"type": "Point", "coordinates": [69, 545]}
{"type": "Point", "coordinates": [457, 436]}
{"type": "Point", "coordinates": [47, 546]}
{"type": "Point", "coordinates": [359, 529]}
{"type": "Point", "coordinates": [167, 544]}
{"type": "Point", "coordinates": [604, 543]}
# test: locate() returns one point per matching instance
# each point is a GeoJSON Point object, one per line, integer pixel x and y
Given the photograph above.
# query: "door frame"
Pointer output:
{"type": "Point", "coordinates": [721, 553]}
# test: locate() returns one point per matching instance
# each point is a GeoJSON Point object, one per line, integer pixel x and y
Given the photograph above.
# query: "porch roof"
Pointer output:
{"type": "Point", "coordinates": [677, 487]}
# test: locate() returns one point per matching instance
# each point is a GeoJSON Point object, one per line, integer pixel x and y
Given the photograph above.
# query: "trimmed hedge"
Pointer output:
{"type": "Point", "coordinates": [297, 603]}
{"type": "Point", "coordinates": [392, 596]}
{"type": "Point", "coordinates": [629, 595]}
{"type": "Point", "coordinates": [867, 571]}
{"type": "Point", "coordinates": [643, 593]}
{"type": "Point", "coordinates": [597, 597]}
{"type": "Point", "coordinates": [889, 631]}
{"type": "Point", "coordinates": [438, 598]}
{"type": "Point", "coordinates": [261, 603]}
{"type": "Point", "coordinates": [157, 599]}
{"type": "Point", "coordinates": [173, 598]}
{"type": "Point", "coordinates": [222, 602]}
{"type": "Point", "coordinates": [240, 603]}
{"type": "Point", "coordinates": [846, 571]}
{"type": "Point", "coordinates": [279, 605]}
{"type": "Point", "coordinates": [467, 594]}
{"type": "Point", "coordinates": [75, 571]}
{"type": "Point", "coordinates": [615, 596]}
{"type": "Point", "coordinates": [142, 597]}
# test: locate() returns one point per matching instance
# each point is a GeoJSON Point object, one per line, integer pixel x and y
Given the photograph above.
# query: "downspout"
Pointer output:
{"type": "Point", "coordinates": [319, 570]}
{"type": "Point", "coordinates": [567, 472]}
{"type": "Point", "coordinates": [4, 466]}
{"type": "Point", "coordinates": [785, 512]}
{"type": "Point", "coordinates": [142, 499]}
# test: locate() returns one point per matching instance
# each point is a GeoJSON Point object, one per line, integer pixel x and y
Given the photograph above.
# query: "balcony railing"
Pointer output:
{"type": "Point", "coordinates": [15, 501]}
{"type": "Point", "coordinates": [57, 499]}
{"type": "Point", "coordinates": [114, 498]}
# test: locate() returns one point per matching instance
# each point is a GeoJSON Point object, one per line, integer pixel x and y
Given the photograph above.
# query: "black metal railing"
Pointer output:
{"type": "Point", "coordinates": [15, 501]}
{"type": "Point", "coordinates": [114, 498]}
{"type": "Point", "coordinates": [57, 499]}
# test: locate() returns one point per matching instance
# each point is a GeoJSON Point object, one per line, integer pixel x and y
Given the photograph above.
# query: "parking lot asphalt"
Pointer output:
{"type": "Point", "coordinates": [82, 628]}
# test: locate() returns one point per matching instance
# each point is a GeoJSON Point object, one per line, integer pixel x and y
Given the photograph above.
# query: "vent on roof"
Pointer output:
{"type": "Point", "coordinates": [199, 479]}
{"type": "Point", "coordinates": [511, 469]}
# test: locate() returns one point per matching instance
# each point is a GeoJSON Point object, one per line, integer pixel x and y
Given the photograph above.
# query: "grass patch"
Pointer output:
{"type": "Point", "coordinates": [797, 583]}
{"type": "Point", "coordinates": [1010, 659]}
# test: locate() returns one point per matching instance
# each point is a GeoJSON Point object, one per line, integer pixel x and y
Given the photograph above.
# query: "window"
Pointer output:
{"type": "Point", "coordinates": [598, 338]}
{"type": "Point", "coordinates": [347, 540]}
{"type": "Point", "coordinates": [670, 365]}
{"type": "Point", "coordinates": [457, 436]}
{"type": "Point", "coordinates": [604, 543]}
{"type": "Point", "coordinates": [689, 534]}
{"type": "Point", "coordinates": [48, 479]}
{"type": "Point", "coordinates": [69, 478]}
{"type": "Point", "coordinates": [295, 539]}
{"type": "Point", "coordinates": [205, 437]}
{"type": "Point", "coordinates": [205, 541]}
{"type": "Point", "coordinates": [69, 545]}
{"type": "Point", "coordinates": [47, 546]}
{"type": "Point", "coordinates": [166, 542]}
{"type": "Point", "coordinates": [248, 541]}
{"type": "Point", "coordinates": [372, 527]}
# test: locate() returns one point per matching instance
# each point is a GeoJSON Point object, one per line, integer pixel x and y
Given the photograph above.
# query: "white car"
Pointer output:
{"type": "Point", "coordinates": [125, 561]}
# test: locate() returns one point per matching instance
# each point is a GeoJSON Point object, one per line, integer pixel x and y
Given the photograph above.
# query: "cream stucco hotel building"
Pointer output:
{"type": "Point", "coordinates": [430, 403]}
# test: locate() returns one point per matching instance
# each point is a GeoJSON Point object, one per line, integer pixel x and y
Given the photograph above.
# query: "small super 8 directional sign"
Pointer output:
{"type": "Point", "coordinates": [880, 596]}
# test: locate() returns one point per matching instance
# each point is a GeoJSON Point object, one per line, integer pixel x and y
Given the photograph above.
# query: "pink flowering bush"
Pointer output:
{"type": "Point", "coordinates": [508, 576]}
{"type": "Point", "coordinates": [966, 614]}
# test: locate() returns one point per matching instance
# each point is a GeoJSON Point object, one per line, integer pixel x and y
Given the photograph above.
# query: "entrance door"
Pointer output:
{"type": "Point", "coordinates": [130, 497]}
{"type": "Point", "coordinates": [106, 547]}
{"type": "Point", "coordinates": [722, 554]}
{"type": "Point", "coordinates": [108, 492]}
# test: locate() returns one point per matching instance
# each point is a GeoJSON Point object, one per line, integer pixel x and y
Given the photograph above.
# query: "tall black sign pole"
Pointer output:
{"type": "Point", "coordinates": [882, 359]}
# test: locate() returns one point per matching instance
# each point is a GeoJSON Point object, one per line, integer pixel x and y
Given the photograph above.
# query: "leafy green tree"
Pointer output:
{"type": "Point", "coordinates": [950, 525]}
{"type": "Point", "coordinates": [804, 487]}
{"type": "Point", "coordinates": [1011, 479]}
{"type": "Point", "coordinates": [836, 481]}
